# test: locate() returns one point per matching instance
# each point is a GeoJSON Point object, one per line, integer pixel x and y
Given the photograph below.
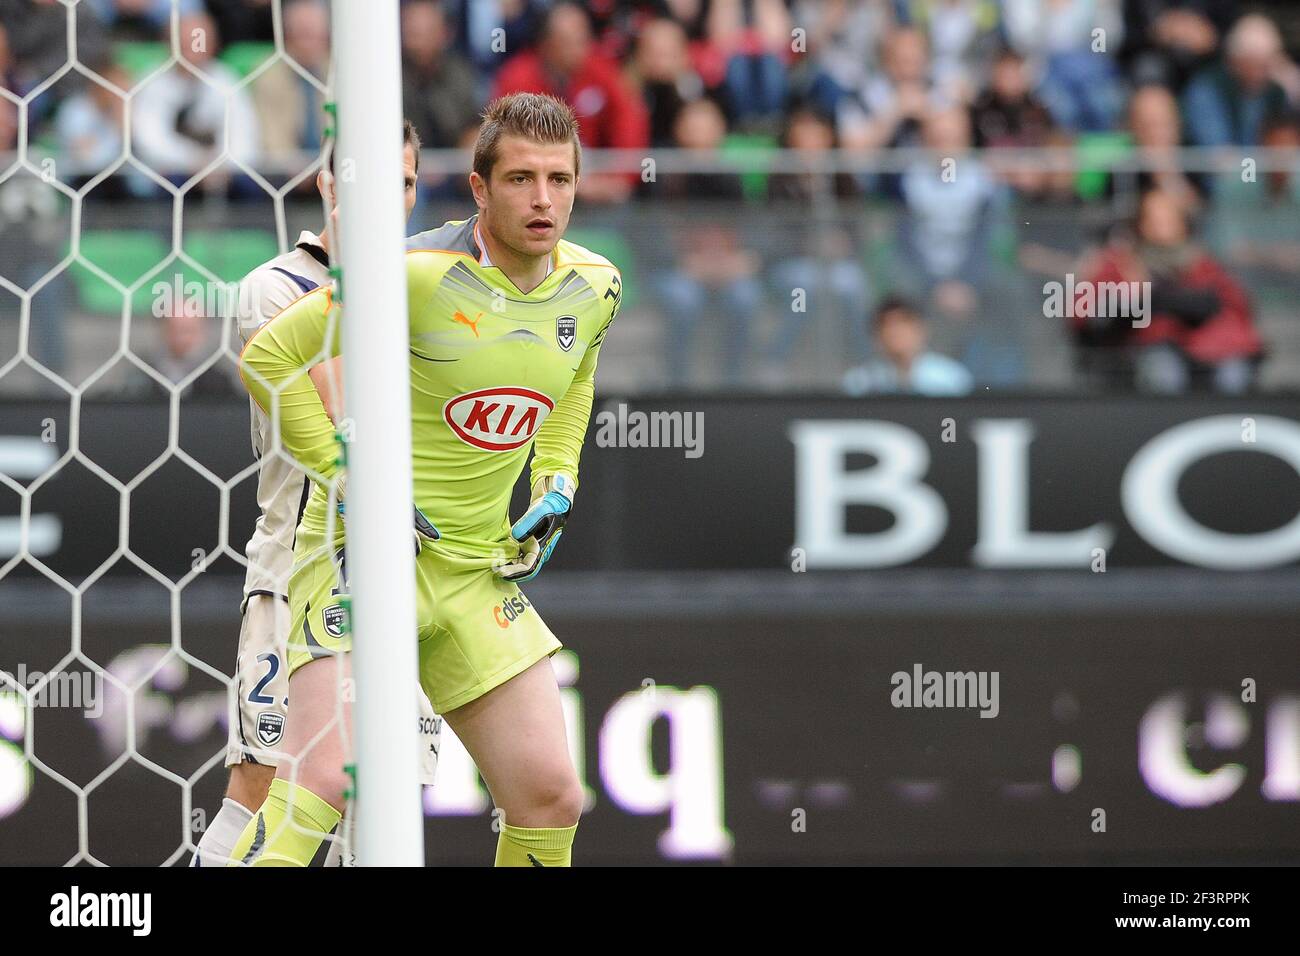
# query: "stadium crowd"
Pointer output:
{"type": "Point", "coordinates": [963, 79]}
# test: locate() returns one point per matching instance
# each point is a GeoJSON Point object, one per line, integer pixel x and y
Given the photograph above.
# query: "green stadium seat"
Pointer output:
{"type": "Point", "coordinates": [1093, 151]}
{"type": "Point", "coordinates": [1004, 246]}
{"type": "Point", "coordinates": [140, 57]}
{"type": "Point", "coordinates": [245, 57]}
{"type": "Point", "coordinates": [610, 244]}
{"type": "Point", "coordinates": [126, 255]}
{"type": "Point", "coordinates": [758, 145]}
{"type": "Point", "coordinates": [880, 253]}
{"type": "Point", "coordinates": [232, 253]}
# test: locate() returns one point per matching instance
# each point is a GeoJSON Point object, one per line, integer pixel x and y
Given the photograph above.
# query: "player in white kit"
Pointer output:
{"type": "Point", "coordinates": [262, 674]}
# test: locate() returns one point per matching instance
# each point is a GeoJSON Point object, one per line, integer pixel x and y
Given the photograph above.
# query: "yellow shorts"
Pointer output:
{"type": "Point", "coordinates": [475, 630]}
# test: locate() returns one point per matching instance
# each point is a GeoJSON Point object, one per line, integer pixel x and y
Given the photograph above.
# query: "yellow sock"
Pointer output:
{"type": "Point", "coordinates": [541, 846]}
{"type": "Point", "coordinates": [287, 829]}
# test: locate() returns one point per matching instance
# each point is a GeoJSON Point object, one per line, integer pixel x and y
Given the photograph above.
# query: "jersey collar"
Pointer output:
{"type": "Point", "coordinates": [309, 243]}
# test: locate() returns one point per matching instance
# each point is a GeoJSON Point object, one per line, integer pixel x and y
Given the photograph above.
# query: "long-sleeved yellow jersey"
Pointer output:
{"type": "Point", "coordinates": [494, 373]}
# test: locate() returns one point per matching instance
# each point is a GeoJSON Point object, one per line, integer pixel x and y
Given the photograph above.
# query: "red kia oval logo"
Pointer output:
{"type": "Point", "coordinates": [497, 419]}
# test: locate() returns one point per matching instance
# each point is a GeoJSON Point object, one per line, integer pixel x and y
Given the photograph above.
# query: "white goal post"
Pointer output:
{"type": "Point", "coordinates": [368, 168]}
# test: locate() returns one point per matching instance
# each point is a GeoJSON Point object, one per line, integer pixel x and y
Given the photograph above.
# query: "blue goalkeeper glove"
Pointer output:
{"type": "Point", "coordinates": [423, 528]}
{"type": "Point", "coordinates": [539, 530]}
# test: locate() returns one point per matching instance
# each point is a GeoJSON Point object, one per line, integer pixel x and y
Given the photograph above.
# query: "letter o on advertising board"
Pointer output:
{"type": "Point", "coordinates": [1149, 491]}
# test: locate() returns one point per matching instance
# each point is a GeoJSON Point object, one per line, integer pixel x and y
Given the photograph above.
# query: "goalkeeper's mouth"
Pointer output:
{"type": "Point", "coordinates": [541, 227]}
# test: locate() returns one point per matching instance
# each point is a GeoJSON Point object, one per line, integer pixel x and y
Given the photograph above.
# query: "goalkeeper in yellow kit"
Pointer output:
{"type": "Point", "coordinates": [506, 322]}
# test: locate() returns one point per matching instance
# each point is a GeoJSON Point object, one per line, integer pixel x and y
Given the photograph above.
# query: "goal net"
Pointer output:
{"type": "Point", "coordinates": [143, 178]}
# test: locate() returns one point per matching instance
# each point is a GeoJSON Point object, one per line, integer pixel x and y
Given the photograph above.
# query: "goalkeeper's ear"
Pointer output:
{"type": "Point", "coordinates": [325, 186]}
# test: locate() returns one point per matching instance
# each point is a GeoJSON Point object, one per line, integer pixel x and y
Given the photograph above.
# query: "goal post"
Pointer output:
{"type": "Point", "coordinates": [371, 251]}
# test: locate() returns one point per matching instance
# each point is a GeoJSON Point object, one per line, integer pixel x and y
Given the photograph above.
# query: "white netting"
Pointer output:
{"type": "Point", "coordinates": [138, 672]}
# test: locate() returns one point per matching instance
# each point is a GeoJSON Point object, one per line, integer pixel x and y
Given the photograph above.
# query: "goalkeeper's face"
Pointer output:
{"type": "Point", "coordinates": [528, 198]}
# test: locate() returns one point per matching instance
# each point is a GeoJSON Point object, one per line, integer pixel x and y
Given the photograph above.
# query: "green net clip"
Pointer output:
{"type": "Point", "coordinates": [345, 602]}
{"type": "Point", "coordinates": [341, 457]}
{"type": "Point", "coordinates": [333, 110]}
{"type": "Point", "coordinates": [351, 792]}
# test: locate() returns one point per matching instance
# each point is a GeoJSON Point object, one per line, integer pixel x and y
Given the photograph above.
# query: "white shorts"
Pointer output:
{"type": "Point", "coordinates": [262, 686]}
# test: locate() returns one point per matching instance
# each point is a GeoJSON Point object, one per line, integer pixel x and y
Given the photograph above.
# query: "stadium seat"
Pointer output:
{"type": "Point", "coordinates": [245, 57]}
{"type": "Point", "coordinates": [126, 255]}
{"type": "Point", "coordinates": [880, 250]}
{"type": "Point", "coordinates": [1004, 246]}
{"type": "Point", "coordinates": [754, 184]}
{"type": "Point", "coordinates": [139, 57]}
{"type": "Point", "coordinates": [232, 253]}
{"type": "Point", "coordinates": [610, 244]}
{"type": "Point", "coordinates": [1092, 152]}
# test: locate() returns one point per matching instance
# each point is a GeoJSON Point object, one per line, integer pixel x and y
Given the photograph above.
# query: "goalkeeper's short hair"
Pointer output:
{"type": "Point", "coordinates": [536, 116]}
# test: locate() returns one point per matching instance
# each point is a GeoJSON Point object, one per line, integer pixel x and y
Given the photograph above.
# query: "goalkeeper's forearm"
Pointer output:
{"type": "Point", "coordinates": [559, 441]}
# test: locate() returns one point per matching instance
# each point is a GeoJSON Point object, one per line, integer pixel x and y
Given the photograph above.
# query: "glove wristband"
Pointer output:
{"type": "Point", "coordinates": [559, 483]}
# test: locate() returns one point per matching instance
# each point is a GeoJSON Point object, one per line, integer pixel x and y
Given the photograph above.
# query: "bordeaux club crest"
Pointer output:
{"type": "Point", "coordinates": [336, 620]}
{"type": "Point", "coordinates": [566, 331]}
{"type": "Point", "coordinates": [270, 728]}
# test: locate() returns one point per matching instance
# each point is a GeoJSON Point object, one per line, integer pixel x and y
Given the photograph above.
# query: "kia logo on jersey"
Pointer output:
{"type": "Point", "coordinates": [497, 419]}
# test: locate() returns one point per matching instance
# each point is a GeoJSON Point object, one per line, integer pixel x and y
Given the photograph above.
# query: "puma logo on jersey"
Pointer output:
{"type": "Point", "coordinates": [463, 319]}
{"type": "Point", "coordinates": [497, 419]}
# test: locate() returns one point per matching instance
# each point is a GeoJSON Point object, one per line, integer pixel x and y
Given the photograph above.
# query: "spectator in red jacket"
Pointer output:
{"type": "Point", "coordinates": [1192, 326]}
{"type": "Point", "coordinates": [566, 63]}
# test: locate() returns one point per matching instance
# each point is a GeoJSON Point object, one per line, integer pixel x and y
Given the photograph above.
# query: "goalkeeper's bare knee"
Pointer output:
{"type": "Point", "coordinates": [324, 775]}
{"type": "Point", "coordinates": [553, 802]}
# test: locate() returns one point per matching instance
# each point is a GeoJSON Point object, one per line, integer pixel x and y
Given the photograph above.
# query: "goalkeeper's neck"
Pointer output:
{"type": "Point", "coordinates": [525, 271]}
